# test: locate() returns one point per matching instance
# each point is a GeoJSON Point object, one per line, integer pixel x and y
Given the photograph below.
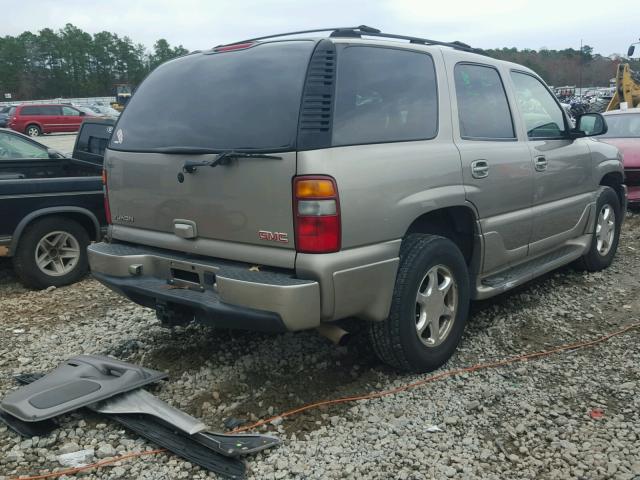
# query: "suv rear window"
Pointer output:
{"type": "Point", "coordinates": [384, 95]}
{"type": "Point", "coordinates": [244, 99]}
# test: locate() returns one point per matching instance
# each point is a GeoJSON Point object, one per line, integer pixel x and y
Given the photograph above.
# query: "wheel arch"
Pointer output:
{"type": "Point", "coordinates": [615, 180]}
{"type": "Point", "coordinates": [459, 223]}
{"type": "Point", "coordinates": [84, 217]}
{"type": "Point", "coordinates": [32, 122]}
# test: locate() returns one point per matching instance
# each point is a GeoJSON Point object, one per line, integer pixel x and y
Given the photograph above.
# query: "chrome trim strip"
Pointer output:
{"type": "Point", "coordinates": [53, 194]}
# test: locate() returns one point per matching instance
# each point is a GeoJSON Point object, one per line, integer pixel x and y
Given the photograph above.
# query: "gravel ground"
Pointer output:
{"type": "Point", "coordinates": [527, 421]}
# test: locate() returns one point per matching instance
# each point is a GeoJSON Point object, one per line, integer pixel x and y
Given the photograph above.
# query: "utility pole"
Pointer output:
{"type": "Point", "coordinates": [580, 81]}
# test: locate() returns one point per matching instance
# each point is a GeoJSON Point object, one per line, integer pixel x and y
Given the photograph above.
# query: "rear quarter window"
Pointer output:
{"type": "Point", "coordinates": [30, 111]}
{"type": "Point", "coordinates": [384, 95]}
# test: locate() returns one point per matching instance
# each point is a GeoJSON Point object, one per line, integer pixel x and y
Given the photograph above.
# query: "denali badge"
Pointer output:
{"type": "Point", "coordinates": [124, 218]}
{"type": "Point", "coordinates": [273, 236]}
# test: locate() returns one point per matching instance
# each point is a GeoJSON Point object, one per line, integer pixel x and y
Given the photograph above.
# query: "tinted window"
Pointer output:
{"type": "Point", "coordinates": [245, 99]}
{"type": "Point", "coordinates": [50, 110]}
{"type": "Point", "coordinates": [623, 125]}
{"type": "Point", "coordinates": [97, 145]}
{"type": "Point", "coordinates": [483, 109]}
{"type": "Point", "coordinates": [14, 147]}
{"type": "Point", "coordinates": [40, 110]}
{"type": "Point", "coordinates": [30, 110]}
{"type": "Point", "coordinates": [542, 115]}
{"type": "Point", "coordinates": [92, 139]}
{"type": "Point", "coordinates": [384, 95]}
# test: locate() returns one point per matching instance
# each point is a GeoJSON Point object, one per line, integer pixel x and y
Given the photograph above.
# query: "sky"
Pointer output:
{"type": "Point", "coordinates": [199, 24]}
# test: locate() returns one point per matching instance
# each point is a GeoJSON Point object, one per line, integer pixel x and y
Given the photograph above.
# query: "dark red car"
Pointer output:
{"type": "Point", "coordinates": [624, 133]}
{"type": "Point", "coordinates": [35, 120]}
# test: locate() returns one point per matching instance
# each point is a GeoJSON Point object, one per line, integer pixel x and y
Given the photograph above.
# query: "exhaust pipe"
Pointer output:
{"type": "Point", "coordinates": [337, 335]}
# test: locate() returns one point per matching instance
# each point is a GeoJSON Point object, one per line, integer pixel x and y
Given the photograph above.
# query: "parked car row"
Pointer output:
{"type": "Point", "coordinates": [38, 119]}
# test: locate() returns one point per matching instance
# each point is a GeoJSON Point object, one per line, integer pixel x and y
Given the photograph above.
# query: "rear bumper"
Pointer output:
{"type": "Point", "coordinates": [206, 306]}
{"type": "Point", "coordinates": [225, 294]}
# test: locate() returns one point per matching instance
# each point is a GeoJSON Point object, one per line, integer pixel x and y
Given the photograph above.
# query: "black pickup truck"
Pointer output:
{"type": "Point", "coordinates": [51, 206]}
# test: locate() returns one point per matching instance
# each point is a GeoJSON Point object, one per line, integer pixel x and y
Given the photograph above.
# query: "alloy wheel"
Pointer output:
{"type": "Point", "coordinates": [605, 229]}
{"type": "Point", "coordinates": [57, 253]}
{"type": "Point", "coordinates": [436, 304]}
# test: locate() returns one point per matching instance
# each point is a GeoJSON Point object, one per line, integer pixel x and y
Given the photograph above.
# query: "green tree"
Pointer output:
{"type": "Point", "coordinates": [70, 62]}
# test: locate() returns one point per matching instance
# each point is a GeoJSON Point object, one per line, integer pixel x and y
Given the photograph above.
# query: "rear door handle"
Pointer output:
{"type": "Point", "coordinates": [479, 169]}
{"type": "Point", "coordinates": [541, 164]}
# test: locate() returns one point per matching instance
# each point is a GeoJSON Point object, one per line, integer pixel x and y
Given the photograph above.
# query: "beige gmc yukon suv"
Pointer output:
{"type": "Point", "coordinates": [287, 183]}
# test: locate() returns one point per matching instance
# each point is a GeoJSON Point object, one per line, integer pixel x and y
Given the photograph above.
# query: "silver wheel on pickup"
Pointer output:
{"type": "Point", "coordinates": [57, 253]}
{"type": "Point", "coordinates": [52, 251]}
{"type": "Point", "coordinates": [429, 305]}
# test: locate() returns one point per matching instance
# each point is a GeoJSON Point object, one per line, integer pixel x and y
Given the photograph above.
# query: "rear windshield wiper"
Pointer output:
{"type": "Point", "coordinates": [222, 158]}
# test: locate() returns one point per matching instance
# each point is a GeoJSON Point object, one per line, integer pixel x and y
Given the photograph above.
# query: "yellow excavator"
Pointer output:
{"type": "Point", "coordinates": [123, 93]}
{"type": "Point", "coordinates": [627, 85]}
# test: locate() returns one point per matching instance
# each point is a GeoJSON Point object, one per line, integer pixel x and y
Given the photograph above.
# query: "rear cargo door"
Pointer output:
{"type": "Point", "coordinates": [237, 202]}
{"type": "Point", "coordinates": [244, 100]}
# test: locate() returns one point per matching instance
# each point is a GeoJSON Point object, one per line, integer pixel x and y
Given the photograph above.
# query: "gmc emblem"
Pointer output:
{"type": "Point", "coordinates": [273, 236]}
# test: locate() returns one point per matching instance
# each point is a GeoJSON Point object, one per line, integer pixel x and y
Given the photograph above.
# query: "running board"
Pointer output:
{"type": "Point", "coordinates": [523, 272]}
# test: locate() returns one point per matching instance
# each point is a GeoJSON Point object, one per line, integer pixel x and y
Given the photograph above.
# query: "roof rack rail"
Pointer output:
{"type": "Point", "coordinates": [358, 32]}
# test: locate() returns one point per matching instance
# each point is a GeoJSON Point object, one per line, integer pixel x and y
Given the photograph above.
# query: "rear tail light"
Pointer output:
{"type": "Point", "coordinates": [105, 189]}
{"type": "Point", "coordinates": [317, 214]}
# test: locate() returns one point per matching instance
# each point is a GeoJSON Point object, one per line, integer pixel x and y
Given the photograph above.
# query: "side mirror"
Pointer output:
{"type": "Point", "coordinates": [632, 49]}
{"type": "Point", "coordinates": [82, 114]}
{"type": "Point", "coordinates": [590, 125]}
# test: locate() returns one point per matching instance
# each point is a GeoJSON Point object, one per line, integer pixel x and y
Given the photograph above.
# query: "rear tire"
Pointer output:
{"type": "Point", "coordinates": [606, 232]}
{"type": "Point", "coordinates": [422, 300]}
{"type": "Point", "coordinates": [52, 252]}
{"type": "Point", "coordinates": [33, 131]}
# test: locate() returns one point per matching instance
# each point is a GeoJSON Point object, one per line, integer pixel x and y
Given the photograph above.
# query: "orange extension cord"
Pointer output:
{"type": "Point", "coordinates": [368, 396]}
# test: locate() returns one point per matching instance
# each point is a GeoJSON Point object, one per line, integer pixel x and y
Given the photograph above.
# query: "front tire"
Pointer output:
{"type": "Point", "coordinates": [52, 252]}
{"type": "Point", "coordinates": [606, 232]}
{"type": "Point", "coordinates": [33, 131]}
{"type": "Point", "coordinates": [429, 307]}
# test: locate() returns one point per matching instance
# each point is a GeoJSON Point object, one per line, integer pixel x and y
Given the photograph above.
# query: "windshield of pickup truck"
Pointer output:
{"type": "Point", "coordinates": [243, 100]}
